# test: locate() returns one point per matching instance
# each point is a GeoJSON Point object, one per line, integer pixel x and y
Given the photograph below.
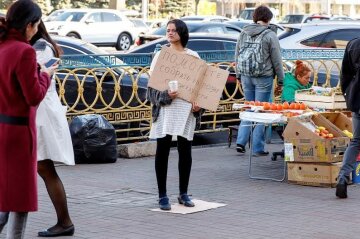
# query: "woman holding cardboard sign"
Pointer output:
{"type": "Point", "coordinates": [173, 116]}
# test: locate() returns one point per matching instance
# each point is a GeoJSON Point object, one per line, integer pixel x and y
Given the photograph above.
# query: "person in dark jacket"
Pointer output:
{"type": "Point", "coordinates": [350, 86]}
{"type": "Point", "coordinates": [23, 85]}
{"type": "Point", "coordinates": [297, 81]}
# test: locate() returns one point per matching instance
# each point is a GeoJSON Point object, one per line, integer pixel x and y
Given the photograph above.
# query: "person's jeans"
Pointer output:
{"type": "Point", "coordinates": [255, 88]}
{"type": "Point", "coordinates": [352, 150]}
{"type": "Point", "coordinates": [16, 224]}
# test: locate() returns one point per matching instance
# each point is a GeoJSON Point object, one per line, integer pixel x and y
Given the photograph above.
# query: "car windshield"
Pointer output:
{"type": "Point", "coordinates": [247, 15]}
{"type": "Point", "coordinates": [138, 23]}
{"type": "Point", "coordinates": [70, 17]}
{"type": "Point", "coordinates": [292, 19]}
{"type": "Point", "coordinates": [162, 30]}
{"type": "Point", "coordinates": [288, 31]}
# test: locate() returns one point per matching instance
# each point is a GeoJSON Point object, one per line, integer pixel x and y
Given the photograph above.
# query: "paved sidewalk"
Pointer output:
{"type": "Point", "coordinates": [113, 201]}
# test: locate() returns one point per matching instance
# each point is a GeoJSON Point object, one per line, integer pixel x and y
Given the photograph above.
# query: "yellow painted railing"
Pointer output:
{"type": "Point", "coordinates": [119, 94]}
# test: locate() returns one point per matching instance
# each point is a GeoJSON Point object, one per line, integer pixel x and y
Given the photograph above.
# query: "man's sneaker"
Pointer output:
{"type": "Point", "coordinates": [240, 148]}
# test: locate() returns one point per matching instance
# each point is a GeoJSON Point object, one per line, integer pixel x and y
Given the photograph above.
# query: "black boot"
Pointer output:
{"type": "Point", "coordinates": [341, 187]}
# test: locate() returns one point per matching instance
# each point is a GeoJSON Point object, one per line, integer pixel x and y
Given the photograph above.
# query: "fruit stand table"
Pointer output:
{"type": "Point", "coordinates": [256, 118]}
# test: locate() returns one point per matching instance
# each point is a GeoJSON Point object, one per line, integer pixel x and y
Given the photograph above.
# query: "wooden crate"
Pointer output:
{"type": "Point", "coordinates": [334, 101]}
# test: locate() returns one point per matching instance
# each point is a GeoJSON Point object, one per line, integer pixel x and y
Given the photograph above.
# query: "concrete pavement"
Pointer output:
{"type": "Point", "coordinates": [113, 201]}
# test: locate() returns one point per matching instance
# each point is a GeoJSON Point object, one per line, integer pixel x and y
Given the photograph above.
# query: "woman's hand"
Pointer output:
{"type": "Point", "coordinates": [172, 94]}
{"type": "Point", "coordinates": [195, 107]}
{"type": "Point", "coordinates": [51, 70]}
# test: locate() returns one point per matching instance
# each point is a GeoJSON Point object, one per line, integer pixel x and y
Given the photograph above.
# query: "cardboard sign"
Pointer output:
{"type": "Point", "coordinates": [198, 82]}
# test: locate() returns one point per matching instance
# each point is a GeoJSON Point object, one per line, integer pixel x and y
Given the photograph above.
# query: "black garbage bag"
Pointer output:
{"type": "Point", "coordinates": [94, 139]}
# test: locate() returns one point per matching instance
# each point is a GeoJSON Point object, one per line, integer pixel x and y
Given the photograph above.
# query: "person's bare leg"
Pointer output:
{"type": "Point", "coordinates": [56, 191]}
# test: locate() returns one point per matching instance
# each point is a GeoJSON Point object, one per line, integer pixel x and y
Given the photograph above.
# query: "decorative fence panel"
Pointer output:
{"type": "Point", "coordinates": [115, 86]}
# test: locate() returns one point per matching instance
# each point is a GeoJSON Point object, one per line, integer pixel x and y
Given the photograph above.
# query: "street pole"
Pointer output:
{"type": "Point", "coordinates": [145, 9]}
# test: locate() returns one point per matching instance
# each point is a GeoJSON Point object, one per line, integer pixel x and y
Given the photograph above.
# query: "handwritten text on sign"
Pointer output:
{"type": "Point", "coordinates": [198, 82]}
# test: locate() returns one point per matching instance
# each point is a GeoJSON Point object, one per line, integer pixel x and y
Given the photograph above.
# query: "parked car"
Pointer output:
{"type": "Point", "coordinates": [205, 18]}
{"type": "Point", "coordinates": [320, 35]}
{"type": "Point", "coordinates": [193, 26]}
{"type": "Point", "coordinates": [140, 25]}
{"type": "Point", "coordinates": [246, 15]}
{"type": "Point", "coordinates": [85, 53]}
{"type": "Point", "coordinates": [241, 24]}
{"type": "Point", "coordinates": [302, 18]}
{"type": "Point", "coordinates": [155, 24]}
{"type": "Point", "coordinates": [52, 16]}
{"type": "Point", "coordinates": [341, 18]}
{"type": "Point", "coordinates": [102, 27]}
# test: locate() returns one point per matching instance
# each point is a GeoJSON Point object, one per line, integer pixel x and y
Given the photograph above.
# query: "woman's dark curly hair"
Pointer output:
{"type": "Point", "coordinates": [182, 30]}
{"type": "Point", "coordinates": [262, 13]}
{"type": "Point", "coordinates": [19, 15]}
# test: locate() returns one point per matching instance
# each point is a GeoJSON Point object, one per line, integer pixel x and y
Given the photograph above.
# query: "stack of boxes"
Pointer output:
{"type": "Point", "coordinates": [314, 159]}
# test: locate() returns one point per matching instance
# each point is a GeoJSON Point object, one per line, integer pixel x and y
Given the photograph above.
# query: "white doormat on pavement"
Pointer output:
{"type": "Point", "coordinates": [200, 206]}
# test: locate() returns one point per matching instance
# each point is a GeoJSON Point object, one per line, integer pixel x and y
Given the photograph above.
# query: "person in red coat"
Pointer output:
{"type": "Point", "coordinates": [23, 84]}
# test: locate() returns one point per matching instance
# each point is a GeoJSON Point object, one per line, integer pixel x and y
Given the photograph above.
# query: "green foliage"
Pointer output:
{"type": "Point", "coordinates": [4, 4]}
{"type": "Point", "coordinates": [45, 6]}
{"type": "Point", "coordinates": [60, 4]}
{"type": "Point", "coordinates": [178, 7]}
{"type": "Point", "coordinates": [133, 4]}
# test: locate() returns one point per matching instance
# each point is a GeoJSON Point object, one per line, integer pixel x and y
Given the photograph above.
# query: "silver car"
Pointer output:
{"type": "Point", "coordinates": [320, 35]}
{"type": "Point", "coordinates": [323, 35]}
{"type": "Point", "coordinates": [102, 27]}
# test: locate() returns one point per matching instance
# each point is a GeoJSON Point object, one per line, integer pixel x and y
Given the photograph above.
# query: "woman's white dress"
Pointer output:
{"type": "Point", "coordinates": [53, 134]}
{"type": "Point", "coordinates": [175, 119]}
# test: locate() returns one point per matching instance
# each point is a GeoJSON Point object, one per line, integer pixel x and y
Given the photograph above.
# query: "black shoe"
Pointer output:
{"type": "Point", "coordinates": [68, 231]}
{"type": "Point", "coordinates": [341, 188]}
{"type": "Point", "coordinates": [261, 153]}
{"type": "Point", "coordinates": [185, 200]}
{"type": "Point", "coordinates": [164, 203]}
{"type": "Point", "coordinates": [240, 148]}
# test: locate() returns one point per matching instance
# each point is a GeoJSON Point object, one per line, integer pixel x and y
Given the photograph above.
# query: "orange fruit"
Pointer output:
{"type": "Point", "coordinates": [286, 105]}
{"type": "Point", "coordinates": [246, 102]}
{"type": "Point", "coordinates": [266, 106]}
{"type": "Point", "coordinates": [302, 106]}
{"type": "Point", "coordinates": [292, 106]}
{"type": "Point", "coordinates": [279, 107]}
{"type": "Point", "coordinates": [252, 103]}
{"type": "Point", "coordinates": [273, 107]}
{"type": "Point", "coordinates": [297, 106]}
{"type": "Point", "coordinates": [257, 103]}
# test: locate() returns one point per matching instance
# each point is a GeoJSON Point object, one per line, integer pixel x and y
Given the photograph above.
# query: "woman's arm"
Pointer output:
{"type": "Point", "coordinates": [157, 97]}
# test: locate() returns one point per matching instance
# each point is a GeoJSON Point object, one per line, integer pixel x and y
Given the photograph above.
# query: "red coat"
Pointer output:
{"type": "Point", "coordinates": [22, 87]}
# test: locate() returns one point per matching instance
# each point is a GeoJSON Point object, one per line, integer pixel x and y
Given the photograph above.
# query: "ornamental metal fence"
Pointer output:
{"type": "Point", "coordinates": [115, 86]}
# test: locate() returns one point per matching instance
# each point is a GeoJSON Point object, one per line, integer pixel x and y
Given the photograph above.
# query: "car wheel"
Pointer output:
{"type": "Point", "coordinates": [74, 35]}
{"type": "Point", "coordinates": [124, 42]}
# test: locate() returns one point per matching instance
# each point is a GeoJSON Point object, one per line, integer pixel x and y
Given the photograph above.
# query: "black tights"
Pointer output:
{"type": "Point", "coordinates": [161, 163]}
{"type": "Point", "coordinates": [56, 191]}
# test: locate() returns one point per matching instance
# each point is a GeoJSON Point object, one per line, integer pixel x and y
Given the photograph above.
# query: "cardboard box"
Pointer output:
{"type": "Point", "coordinates": [313, 174]}
{"type": "Point", "coordinates": [334, 101]}
{"type": "Point", "coordinates": [339, 119]}
{"type": "Point", "coordinates": [310, 147]}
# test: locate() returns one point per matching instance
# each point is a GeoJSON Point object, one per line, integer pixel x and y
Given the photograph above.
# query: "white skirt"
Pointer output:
{"type": "Point", "coordinates": [53, 134]}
